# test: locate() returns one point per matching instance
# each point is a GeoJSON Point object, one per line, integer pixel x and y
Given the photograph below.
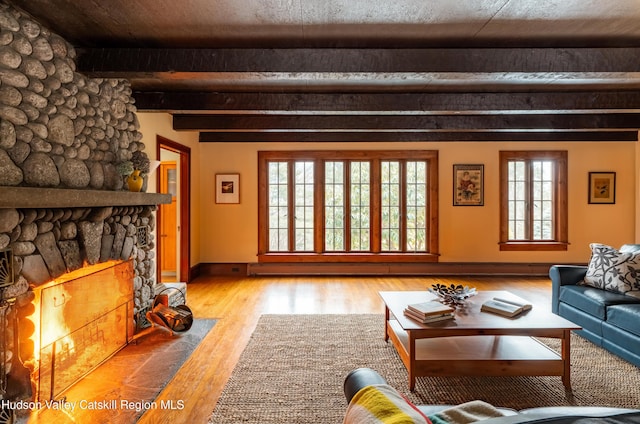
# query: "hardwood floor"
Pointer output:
{"type": "Point", "coordinates": [238, 303]}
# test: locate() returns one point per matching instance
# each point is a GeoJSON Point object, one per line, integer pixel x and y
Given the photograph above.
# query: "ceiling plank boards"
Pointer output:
{"type": "Point", "coordinates": [343, 71]}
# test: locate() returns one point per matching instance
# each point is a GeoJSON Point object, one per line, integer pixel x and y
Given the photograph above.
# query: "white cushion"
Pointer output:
{"type": "Point", "coordinates": [612, 270]}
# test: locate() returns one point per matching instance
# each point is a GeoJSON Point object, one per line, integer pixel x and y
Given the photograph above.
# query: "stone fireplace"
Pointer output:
{"type": "Point", "coordinates": [71, 298]}
{"type": "Point", "coordinates": [65, 140]}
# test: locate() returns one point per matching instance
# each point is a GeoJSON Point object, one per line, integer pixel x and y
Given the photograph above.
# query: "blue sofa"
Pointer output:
{"type": "Point", "coordinates": [610, 320]}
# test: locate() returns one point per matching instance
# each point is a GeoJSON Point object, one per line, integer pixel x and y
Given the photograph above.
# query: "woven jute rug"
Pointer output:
{"type": "Point", "coordinates": [294, 366]}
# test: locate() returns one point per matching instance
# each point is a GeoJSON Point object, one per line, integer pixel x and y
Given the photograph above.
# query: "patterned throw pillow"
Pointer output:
{"type": "Point", "coordinates": [613, 271]}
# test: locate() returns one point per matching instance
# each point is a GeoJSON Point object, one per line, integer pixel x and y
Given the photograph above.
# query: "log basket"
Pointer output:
{"type": "Point", "coordinates": [176, 319]}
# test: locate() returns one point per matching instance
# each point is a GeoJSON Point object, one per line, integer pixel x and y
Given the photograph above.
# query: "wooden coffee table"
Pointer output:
{"type": "Point", "coordinates": [477, 343]}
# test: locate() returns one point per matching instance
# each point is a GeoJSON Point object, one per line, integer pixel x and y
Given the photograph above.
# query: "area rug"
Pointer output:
{"type": "Point", "coordinates": [294, 366]}
{"type": "Point", "coordinates": [135, 375]}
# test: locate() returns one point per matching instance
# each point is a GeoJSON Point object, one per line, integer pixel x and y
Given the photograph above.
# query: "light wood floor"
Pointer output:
{"type": "Point", "coordinates": [238, 303]}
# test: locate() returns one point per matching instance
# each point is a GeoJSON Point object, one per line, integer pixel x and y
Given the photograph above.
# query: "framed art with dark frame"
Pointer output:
{"type": "Point", "coordinates": [602, 187]}
{"type": "Point", "coordinates": [227, 188]}
{"type": "Point", "coordinates": [468, 185]}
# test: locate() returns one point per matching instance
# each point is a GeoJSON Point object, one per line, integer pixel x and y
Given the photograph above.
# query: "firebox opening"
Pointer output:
{"type": "Point", "coordinates": [81, 319]}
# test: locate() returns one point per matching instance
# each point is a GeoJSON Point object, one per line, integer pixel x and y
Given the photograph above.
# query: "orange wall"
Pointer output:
{"type": "Point", "coordinates": [228, 232]}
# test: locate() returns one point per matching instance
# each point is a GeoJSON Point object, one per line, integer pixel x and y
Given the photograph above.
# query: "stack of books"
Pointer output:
{"type": "Point", "coordinates": [506, 307]}
{"type": "Point", "coordinates": [427, 312]}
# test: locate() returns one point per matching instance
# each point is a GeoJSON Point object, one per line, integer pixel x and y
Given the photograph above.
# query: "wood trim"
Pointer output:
{"type": "Point", "coordinates": [242, 103]}
{"type": "Point", "coordinates": [523, 246]}
{"type": "Point", "coordinates": [185, 206]}
{"type": "Point", "coordinates": [433, 205]}
{"type": "Point", "coordinates": [382, 268]}
{"type": "Point", "coordinates": [601, 135]}
{"type": "Point", "coordinates": [155, 63]}
{"type": "Point", "coordinates": [207, 269]}
{"type": "Point", "coordinates": [340, 257]}
{"type": "Point", "coordinates": [405, 122]}
{"type": "Point", "coordinates": [263, 210]}
{"type": "Point", "coordinates": [318, 199]}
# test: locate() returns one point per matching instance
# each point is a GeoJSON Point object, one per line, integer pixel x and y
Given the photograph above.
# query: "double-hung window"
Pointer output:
{"type": "Point", "coordinates": [533, 200]}
{"type": "Point", "coordinates": [348, 206]}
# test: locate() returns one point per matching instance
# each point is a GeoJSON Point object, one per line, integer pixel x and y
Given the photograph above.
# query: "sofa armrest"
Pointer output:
{"type": "Point", "coordinates": [359, 379]}
{"type": "Point", "coordinates": [563, 275]}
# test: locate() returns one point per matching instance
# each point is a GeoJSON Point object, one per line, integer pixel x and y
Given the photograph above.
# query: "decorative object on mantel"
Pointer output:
{"type": "Point", "coordinates": [453, 295]}
{"type": "Point", "coordinates": [125, 168]}
{"type": "Point", "coordinates": [135, 180]}
{"type": "Point", "coordinates": [140, 161]}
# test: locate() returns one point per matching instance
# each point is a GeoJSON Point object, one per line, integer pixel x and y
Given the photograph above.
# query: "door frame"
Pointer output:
{"type": "Point", "coordinates": [184, 237]}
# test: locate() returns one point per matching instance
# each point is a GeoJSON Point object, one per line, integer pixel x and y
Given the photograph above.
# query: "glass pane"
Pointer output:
{"type": "Point", "coordinates": [416, 202]}
{"type": "Point", "coordinates": [334, 207]}
{"type": "Point", "coordinates": [390, 205]}
{"type": "Point", "coordinates": [360, 205]}
{"type": "Point", "coordinates": [303, 205]}
{"type": "Point", "coordinates": [278, 206]}
{"type": "Point", "coordinates": [531, 201]}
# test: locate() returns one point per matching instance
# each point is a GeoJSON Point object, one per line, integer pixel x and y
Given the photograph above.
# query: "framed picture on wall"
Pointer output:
{"type": "Point", "coordinates": [227, 188]}
{"type": "Point", "coordinates": [468, 185]}
{"type": "Point", "coordinates": [602, 187]}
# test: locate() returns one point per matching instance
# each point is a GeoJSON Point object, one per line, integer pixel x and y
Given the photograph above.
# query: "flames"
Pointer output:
{"type": "Point", "coordinates": [53, 328]}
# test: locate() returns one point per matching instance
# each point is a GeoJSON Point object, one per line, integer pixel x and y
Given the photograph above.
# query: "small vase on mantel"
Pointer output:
{"type": "Point", "coordinates": [135, 181]}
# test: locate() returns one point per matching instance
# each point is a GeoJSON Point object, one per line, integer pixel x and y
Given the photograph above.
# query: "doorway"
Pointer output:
{"type": "Point", "coordinates": [173, 226]}
{"type": "Point", "coordinates": [168, 225]}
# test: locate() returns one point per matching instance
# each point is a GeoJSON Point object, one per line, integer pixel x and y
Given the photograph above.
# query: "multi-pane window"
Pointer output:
{"type": "Point", "coordinates": [533, 200]}
{"type": "Point", "coordinates": [365, 203]}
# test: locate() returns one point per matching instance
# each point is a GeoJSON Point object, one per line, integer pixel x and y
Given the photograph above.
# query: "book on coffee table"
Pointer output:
{"type": "Point", "coordinates": [430, 308]}
{"type": "Point", "coordinates": [427, 319]}
{"type": "Point", "coordinates": [506, 307]}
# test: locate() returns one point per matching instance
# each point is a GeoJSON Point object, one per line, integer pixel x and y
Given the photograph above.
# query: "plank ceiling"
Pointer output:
{"type": "Point", "coordinates": [363, 70]}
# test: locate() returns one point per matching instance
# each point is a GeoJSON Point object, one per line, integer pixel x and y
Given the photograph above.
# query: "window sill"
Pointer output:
{"type": "Point", "coordinates": [348, 257]}
{"type": "Point", "coordinates": [515, 246]}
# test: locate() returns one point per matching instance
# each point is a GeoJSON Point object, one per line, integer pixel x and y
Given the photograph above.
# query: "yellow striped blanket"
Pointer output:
{"type": "Point", "coordinates": [382, 404]}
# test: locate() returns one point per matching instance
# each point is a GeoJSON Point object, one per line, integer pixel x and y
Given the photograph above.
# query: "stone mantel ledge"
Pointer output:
{"type": "Point", "coordinates": [36, 197]}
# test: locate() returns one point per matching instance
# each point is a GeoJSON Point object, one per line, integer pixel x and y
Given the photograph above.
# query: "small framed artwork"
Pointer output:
{"type": "Point", "coordinates": [468, 185]}
{"type": "Point", "coordinates": [602, 187]}
{"type": "Point", "coordinates": [227, 188]}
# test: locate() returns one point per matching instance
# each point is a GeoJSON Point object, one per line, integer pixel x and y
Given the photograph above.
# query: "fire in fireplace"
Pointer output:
{"type": "Point", "coordinates": [80, 320]}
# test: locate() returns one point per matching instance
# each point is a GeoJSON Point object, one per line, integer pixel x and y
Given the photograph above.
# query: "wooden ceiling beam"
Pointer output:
{"type": "Point", "coordinates": [451, 122]}
{"type": "Point", "coordinates": [372, 137]}
{"type": "Point", "coordinates": [238, 102]}
{"type": "Point", "coordinates": [134, 62]}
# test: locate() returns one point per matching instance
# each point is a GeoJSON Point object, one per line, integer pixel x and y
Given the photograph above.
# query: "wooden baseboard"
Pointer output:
{"type": "Point", "coordinates": [439, 268]}
{"type": "Point", "coordinates": [219, 269]}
